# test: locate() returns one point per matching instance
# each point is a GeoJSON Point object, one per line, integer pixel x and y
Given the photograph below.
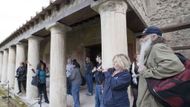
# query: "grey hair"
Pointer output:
{"type": "Point", "coordinates": [159, 39]}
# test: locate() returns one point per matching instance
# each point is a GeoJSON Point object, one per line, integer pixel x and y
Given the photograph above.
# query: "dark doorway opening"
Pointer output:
{"type": "Point", "coordinates": [92, 51]}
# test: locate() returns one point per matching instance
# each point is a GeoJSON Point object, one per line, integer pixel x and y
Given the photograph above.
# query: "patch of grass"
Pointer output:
{"type": "Point", "coordinates": [13, 102]}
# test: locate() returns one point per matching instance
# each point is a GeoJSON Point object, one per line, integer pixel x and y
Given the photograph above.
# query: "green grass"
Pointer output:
{"type": "Point", "coordinates": [14, 102]}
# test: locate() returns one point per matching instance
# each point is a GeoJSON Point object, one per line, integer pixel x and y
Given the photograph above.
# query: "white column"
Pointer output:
{"type": "Point", "coordinates": [20, 57]}
{"type": "Point", "coordinates": [33, 60]}
{"type": "Point", "coordinates": [11, 66]}
{"type": "Point", "coordinates": [57, 66]}
{"type": "Point", "coordinates": [4, 71]}
{"type": "Point", "coordinates": [113, 29]}
{"type": "Point", "coordinates": [1, 64]}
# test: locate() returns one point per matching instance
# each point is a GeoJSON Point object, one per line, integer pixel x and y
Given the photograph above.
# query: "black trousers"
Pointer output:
{"type": "Point", "coordinates": [20, 84]}
{"type": "Point", "coordinates": [42, 90]}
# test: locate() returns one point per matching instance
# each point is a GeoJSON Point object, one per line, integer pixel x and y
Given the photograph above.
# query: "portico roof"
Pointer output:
{"type": "Point", "coordinates": [71, 16]}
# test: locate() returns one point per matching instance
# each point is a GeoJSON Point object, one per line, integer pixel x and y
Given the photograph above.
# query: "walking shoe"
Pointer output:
{"type": "Point", "coordinates": [47, 101]}
{"type": "Point", "coordinates": [19, 92]}
{"type": "Point", "coordinates": [39, 102]}
{"type": "Point", "coordinates": [89, 94]}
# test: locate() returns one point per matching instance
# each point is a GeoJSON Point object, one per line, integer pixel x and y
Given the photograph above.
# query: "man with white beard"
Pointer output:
{"type": "Point", "coordinates": [156, 60]}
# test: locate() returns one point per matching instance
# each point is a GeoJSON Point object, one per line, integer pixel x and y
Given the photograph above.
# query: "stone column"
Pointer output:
{"type": "Point", "coordinates": [57, 65]}
{"type": "Point", "coordinates": [33, 60]}
{"type": "Point", "coordinates": [11, 67]}
{"type": "Point", "coordinates": [4, 69]}
{"type": "Point", "coordinates": [113, 29]}
{"type": "Point", "coordinates": [20, 57]}
{"type": "Point", "coordinates": [5, 65]}
{"type": "Point", "coordinates": [1, 64]}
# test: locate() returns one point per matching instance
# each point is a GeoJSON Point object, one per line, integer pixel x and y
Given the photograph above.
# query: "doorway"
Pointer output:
{"type": "Point", "coordinates": [92, 51]}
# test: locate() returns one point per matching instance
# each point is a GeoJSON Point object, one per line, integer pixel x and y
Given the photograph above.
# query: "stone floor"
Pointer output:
{"type": "Point", "coordinates": [86, 101]}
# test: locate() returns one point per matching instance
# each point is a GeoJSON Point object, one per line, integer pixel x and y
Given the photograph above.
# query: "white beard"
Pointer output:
{"type": "Point", "coordinates": [145, 46]}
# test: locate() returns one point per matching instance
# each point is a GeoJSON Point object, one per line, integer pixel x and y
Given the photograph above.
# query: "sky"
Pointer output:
{"type": "Point", "coordinates": [14, 13]}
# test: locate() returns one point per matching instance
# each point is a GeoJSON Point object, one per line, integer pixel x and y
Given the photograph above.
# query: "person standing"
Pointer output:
{"type": "Point", "coordinates": [41, 72]}
{"type": "Point", "coordinates": [89, 76]}
{"type": "Point", "coordinates": [21, 77]}
{"type": "Point", "coordinates": [99, 79]}
{"type": "Point", "coordinates": [69, 69]}
{"type": "Point", "coordinates": [75, 79]}
{"type": "Point", "coordinates": [117, 81]}
{"type": "Point", "coordinates": [156, 60]}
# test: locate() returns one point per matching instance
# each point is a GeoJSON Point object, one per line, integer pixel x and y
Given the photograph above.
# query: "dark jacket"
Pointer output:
{"type": "Point", "coordinates": [115, 89]}
{"type": "Point", "coordinates": [21, 73]}
{"type": "Point", "coordinates": [99, 76]}
{"type": "Point", "coordinates": [88, 68]}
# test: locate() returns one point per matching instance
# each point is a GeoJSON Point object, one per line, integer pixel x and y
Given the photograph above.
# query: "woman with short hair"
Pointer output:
{"type": "Point", "coordinates": [117, 80]}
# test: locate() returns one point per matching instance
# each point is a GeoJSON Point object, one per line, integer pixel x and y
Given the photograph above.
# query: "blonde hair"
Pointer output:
{"type": "Point", "coordinates": [122, 61]}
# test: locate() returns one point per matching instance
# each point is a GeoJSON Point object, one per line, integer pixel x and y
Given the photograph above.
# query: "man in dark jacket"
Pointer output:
{"type": "Point", "coordinates": [99, 79]}
{"type": "Point", "coordinates": [21, 77]}
{"type": "Point", "coordinates": [89, 76]}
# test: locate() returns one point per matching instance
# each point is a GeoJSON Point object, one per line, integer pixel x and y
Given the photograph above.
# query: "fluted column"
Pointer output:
{"type": "Point", "coordinates": [5, 63]}
{"type": "Point", "coordinates": [113, 29]}
{"type": "Point", "coordinates": [1, 64]}
{"type": "Point", "coordinates": [20, 57]}
{"type": "Point", "coordinates": [33, 60]}
{"type": "Point", "coordinates": [57, 65]}
{"type": "Point", "coordinates": [11, 66]}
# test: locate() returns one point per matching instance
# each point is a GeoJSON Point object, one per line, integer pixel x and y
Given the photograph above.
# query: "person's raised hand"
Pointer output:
{"type": "Point", "coordinates": [142, 68]}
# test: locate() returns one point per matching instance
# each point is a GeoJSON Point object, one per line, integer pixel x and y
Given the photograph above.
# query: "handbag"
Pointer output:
{"type": "Point", "coordinates": [172, 91]}
{"type": "Point", "coordinates": [35, 80]}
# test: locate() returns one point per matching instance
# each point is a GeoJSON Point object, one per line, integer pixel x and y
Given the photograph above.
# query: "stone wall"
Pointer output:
{"type": "Point", "coordinates": [170, 12]}
{"type": "Point", "coordinates": [179, 38]}
{"type": "Point", "coordinates": [140, 8]}
{"type": "Point", "coordinates": [167, 13]}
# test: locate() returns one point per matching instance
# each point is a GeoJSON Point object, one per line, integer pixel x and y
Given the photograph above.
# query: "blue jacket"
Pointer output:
{"type": "Point", "coordinates": [115, 89]}
{"type": "Point", "coordinates": [42, 76]}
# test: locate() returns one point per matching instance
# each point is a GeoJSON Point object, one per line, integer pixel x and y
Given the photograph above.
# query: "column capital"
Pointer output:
{"type": "Point", "coordinates": [35, 38]}
{"type": "Point", "coordinates": [119, 6]}
{"type": "Point", "coordinates": [5, 50]}
{"type": "Point", "coordinates": [58, 26]}
{"type": "Point", "coordinates": [11, 47]}
{"type": "Point", "coordinates": [21, 43]}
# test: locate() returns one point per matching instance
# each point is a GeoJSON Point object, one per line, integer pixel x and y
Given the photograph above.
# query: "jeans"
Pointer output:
{"type": "Point", "coordinates": [75, 89]}
{"type": "Point", "coordinates": [42, 90]}
{"type": "Point", "coordinates": [20, 84]}
{"type": "Point", "coordinates": [98, 96]}
{"type": "Point", "coordinates": [89, 81]}
{"type": "Point", "coordinates": [68, 86]}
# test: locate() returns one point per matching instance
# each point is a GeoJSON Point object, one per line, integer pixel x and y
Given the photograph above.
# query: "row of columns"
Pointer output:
{"type": "Point", "coordinates": [113, 39]}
